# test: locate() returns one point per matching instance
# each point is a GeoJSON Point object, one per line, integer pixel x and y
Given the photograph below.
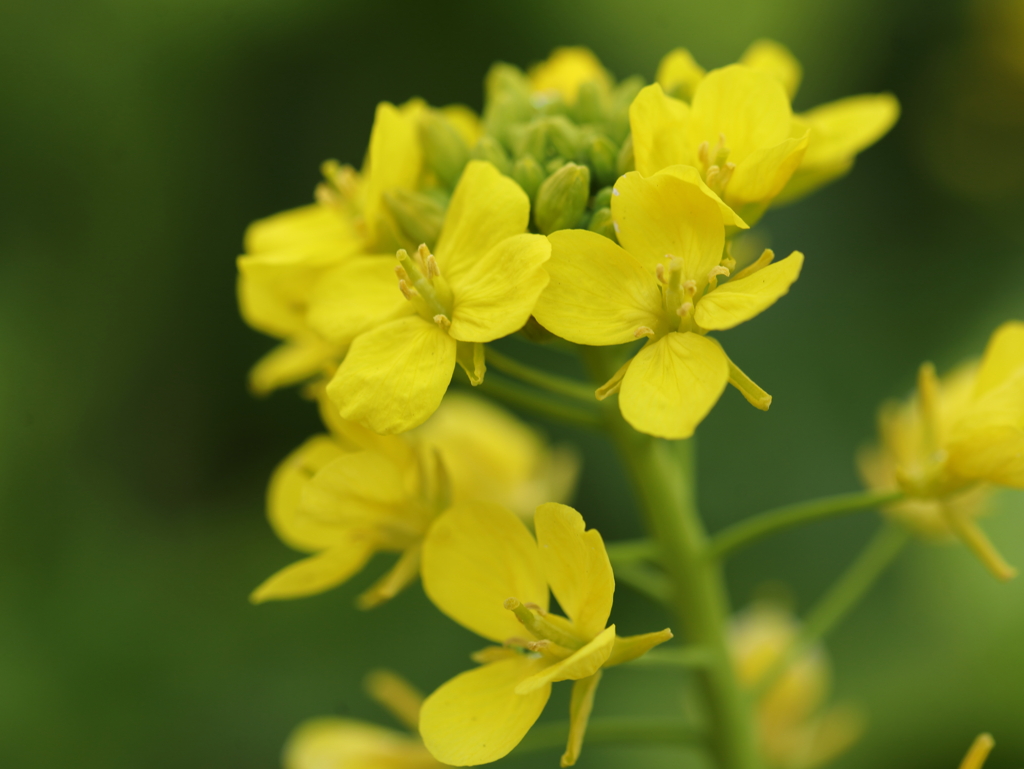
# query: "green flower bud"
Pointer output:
{"type": "Point", "coordinates": [601, 223]}
{"type": "Point", "coordinates": [626, 162]}
{"type": "Point", "coordinates": [603, 198]}
{"type": "Point", "coordinates": [590, 103]}
{"type": "Point", "coordinates": [418, 216]}
{"type": "Point", "coordinates": [444, 150]}
{"type": "Point", "coordinates": [531, 139]}
{"type": "Point", "coordinates": [508, 100]}
{"type": "Point", "coordinates": [528, 174]}
{"type": "Point", "coordinates": [604, 159]}
{"type": "Point", "coordinates": [617, 124]}
{"type": "Point", "coordinates": [553, 165]}
{"type": "Point", "coordinates": [488, 148]}
{"type": "Point", "coordinates": [563, 137]}
{"type": "Point", "coordinates": [562, 198]}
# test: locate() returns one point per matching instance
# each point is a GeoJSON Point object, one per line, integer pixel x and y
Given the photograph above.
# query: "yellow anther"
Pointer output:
{"type": "Point", "coordinates": [535, 607]}
{"type": "Point", "coordinates": [540, 628]}
{"type": "Point", "coordinates": [659, 271]}
{"type": "Point", "coordinates": [685, 309]}
{"type": "Point", "coordinates": [690, 287]}
{"type": "Point", "coordinates": [703, 154]}
{"type": "Point", "coordinates": [643, 331]}
{"type": "Point", "coordinates": [407, 291]}
{"type": "Point", "coordinates": [443, 322]}
{"type": "Point", "coordinates": [714, 273]}
{"type": "Point", "coordinates": [433, 271]}
{"type": "Point", "coordinates": [537, 646]}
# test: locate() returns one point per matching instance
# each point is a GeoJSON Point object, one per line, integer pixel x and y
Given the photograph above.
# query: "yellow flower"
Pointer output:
{"type": "Point", "coordinates": [343, 743]}
{"type": "Point", "coordinates": [957, 436]}
{"type": "Point", "coordinates": [838, 130]}
{"type": "Point", "coordinates": [979, 750]}
{"type": "Point", "coordinates": [483, 569]}
{"type": "Point", "coordinates": [564, 71]}
{"type": "Point", "coordinates": [481, 284]}
{"type": "Point", "coordinates": [738, 133]}
{"type": "Point", "coordinates": [345, 496]}
{"type": "Point", "coordinates": [795, 732]}
{"type": "Point", "coordinates": [662, 283]}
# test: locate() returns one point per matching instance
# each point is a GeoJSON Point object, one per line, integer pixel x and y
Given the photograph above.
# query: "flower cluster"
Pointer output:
{"type": "Point", "coordinates": [581, 213]}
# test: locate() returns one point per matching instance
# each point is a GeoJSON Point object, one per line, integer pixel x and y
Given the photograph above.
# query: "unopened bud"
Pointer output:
{"type": "Point", "coordinates": [562, 198]}
{"type": "Point", "coordinates": [601, 223]}
{"type": "Point", "coordinates": [626, 162]}
{"type": "Point", "coordinates": [508, 99]}
{"type": "Point", "coordinates": [490, 149]}
{"type": "Point", "coordinates": [528, 175]}
{"type": "Point", "coordinates": [418, 216]}
{"type": "Point", "coordinates": [563, 136]}
{"type": "Point", "coordinates": [617, 124]}
{"type": "Point", "coordinates": [604, 159]}
{"type": "Point", "coordinates": [444, 150]}
{"type": "Point", "coordinates": [603, 198]}
{"type": "Point", "coordinates": [553, 165]}
{"type": "Point", "coordinates": [590, 103]}
{"type": "Point", "coordinates": [531, 139]}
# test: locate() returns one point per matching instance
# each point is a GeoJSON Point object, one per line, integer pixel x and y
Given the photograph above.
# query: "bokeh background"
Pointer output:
{"type": "Point", "coordinates": [139, 139]}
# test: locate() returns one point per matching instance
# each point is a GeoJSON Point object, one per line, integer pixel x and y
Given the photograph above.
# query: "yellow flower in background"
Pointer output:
{"type": "Point", "coordinates": [344, 743]}
{"type": "Point", "coordinates": [483, 569]}
{"type": "Point", "coordinates": [952, 439]}
{"type": "Point", "coordinates": [481, 285]}
{"type": "Point", "coordinates": [839, 130]}
{"type": "Point", "coordinates": [738, 133]}
{"type": "Point", "coordinates": [661, 283]}
{"type": "Point", "coordinates": [344, 496]}
{"type": "Point", "coordinates": [795, 731]}
{"type": "Point", "coordinates": [978, 752]}
{"type": "Point", "coordinates": [564, 71]}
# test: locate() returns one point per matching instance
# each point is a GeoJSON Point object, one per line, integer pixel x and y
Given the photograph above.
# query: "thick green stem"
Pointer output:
{"type": "Point", "coordinates": [751, 529]}
{"type": "Point", "coordinates": [637, 730]}
{"type": "Point", "coordinates": [663, 477]}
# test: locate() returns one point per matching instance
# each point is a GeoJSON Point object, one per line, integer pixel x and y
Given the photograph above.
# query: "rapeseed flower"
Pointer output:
{"type": "Point", "coordinates": [562, 74]}
{"type": "Point", "coordinates": [794, 730]}
{"type": "Point", "coordinates": [954, 440]}
{"type": "Point", "coordinates": [483, 569]}
{"type": "Point", "coordinates": [480, 285]}
{"type": "Point", "coordinates": [662, 283]}
{"type": "Point", "coordinates": [348, 494]}
{"type": "Point", "coordinates": [340, 743]}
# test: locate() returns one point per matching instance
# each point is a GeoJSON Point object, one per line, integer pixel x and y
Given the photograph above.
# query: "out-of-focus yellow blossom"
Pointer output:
{"type": "Point", "coordinates": [978, 752]}
{"type": "Point", "coordinates": [951, 440]}
{"type": "Point", "coordinates": [564, 71]}
{"type": "Point", "coordinates": [483, 569]}
{"type": "Point", "coordinates": [662, 283]}
{"type": "Point", "coordinates": [481, 285]}
{"type": "Point", "coordinates": [795, 731]}
{"type": "Point", "coordinates": [838, 131]}
{"type": "Point", "coordinates": [344, 743]}
{"type": "Point", "coordinates": [738, 133]}
{"type": "Point", "coordinates": [329, 497]}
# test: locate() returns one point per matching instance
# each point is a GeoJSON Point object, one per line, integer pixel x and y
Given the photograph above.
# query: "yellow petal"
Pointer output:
{"type": "Point", "coordinates": [692, 176]}
{"type": "Point", "coordinates": [340, 742]}
{"type": "Point", "coordinates": [473, 358]}
{"type": "Point", "coordinates": [395, 376]}
{"type": "Point", "coordinates": [978, 752]}
{"type": "Point", "coordinates": [631, 647]}
{"type": "Point", "coordinates": [476, 717]}
{"type": "Point", "coordinates": [776, 60]}
{"type": "Point", "coordinates": [1004, 356]}
{"type": "Point", "coordinates": [748, 107]}
{"type": "Point", "coordinates": [664, 215]}
{"type": "Point", "coordinates": [994, 454]}
{"type": "Point", "coordinates": [748, 388]}
{"type": "Point", "coordinates": [311, 225]}
{"type": "Point", "coordinates": [658, 124]}
{"type": "Point", "coordinates": [764, 173]}
{"type": "Point", "coordinates": [679, 73]}
{"type": "Point", "coordinates": [740, 300]}
{"type": "Point", "coordinates": [580, 706]}
{"type": "Point", "coordinates": [576, 566]}
{"type": "Point", "coordinates": [465, 122]}
{"type": "Point", "coordinates": [394, 581]}
{"type": "Point", "coordinates": [582, 663]}
{"type": "Point", "coordinates": [318, 573]}
{"type": "Point", "coordinates": [565, 70]}
{"type": "Point", "coordinates": [355, 437]}
{"type": "Point", "coordinates": [476, 556]}
{"type": "Point", "coordinates": [672, 385]}
{"type": "Point", "coordinates": [598, 294]}
{"type": "Point", "coordinates": [355, 296]}
{"type": "Point", "coordinates": [396, 695]}
{"type": "Point", "coordinates": [978, 543]}
{"type": "Point", "coordinates": [284, 495]}
{"type": "Point", "coordinates": [495, 297]}
{"type": "Point", "coordinates": [394, 161]}
{"type": "Point", "coordinates": [486, 208]}
{"type": "Point", "coordinates": [290, 363]}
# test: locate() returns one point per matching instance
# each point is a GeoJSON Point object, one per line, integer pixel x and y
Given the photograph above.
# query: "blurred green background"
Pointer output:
{"type": "Point", "coordinates": [139, 139]}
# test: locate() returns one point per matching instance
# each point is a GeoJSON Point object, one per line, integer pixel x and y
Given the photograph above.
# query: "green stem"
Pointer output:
{"type": "Point", "coordinates": [539, 403]}
{"type": "Point", "coordinates": [542, 379]}
{"type": "Point", "coordinates": [752, 529]}
{"type": "Point", "coordinates": [690, 657]}
{"type": "Point", "coordinates": [631, 551]}
{"type": "Point", "coordinates": [663, 478]}
{"type": "Point", "coordinates": [840, 598]}
{"type": "Point", "coordinates": [643, 729]}
{"type": "Point", "coordinates": [645, 578]}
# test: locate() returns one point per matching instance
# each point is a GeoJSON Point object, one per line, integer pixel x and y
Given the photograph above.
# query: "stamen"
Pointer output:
{"type": "Point", "coordinates": [659, 271]}
{"type": "Point", "coordinates": [537, 646]}
{"type": "Point", "coordinates": [443, 322]}
{"type": "Point", "coordinates": [407, 291]}
{"type": "Point", "coordinates": [540, 628]}
{"type": "Point", "coordinates": [685, 309]}
{"type": "Point", "coordinates": [643, 331]}
{"type": "Point", "coordinates": [433, 271]}
{"type": "Point", "coordinates": [690, 287]}
{"type": "Point", "coordinates": [713, 276]}
{"type": "Point", "coordinates": [535, 607]}
{"type": "Point", "coordinates": [702, 154]}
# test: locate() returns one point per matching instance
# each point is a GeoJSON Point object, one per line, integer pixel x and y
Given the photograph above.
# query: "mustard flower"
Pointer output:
{"type": "Point", "coordinates": [337, 743]}
{"type": "Point", "coordinates": [483, 569]}
{"type": "Point", "coordinates": [662, 283]}
{"type": "Point", "coordinates": [564, 71]}
{"type": "Point", "coordinates": [481, 285]}
{"type": "Point", "coordinates": [795, 731]}
{"type": "Point", "coordinates": [838, 130]}
{"type": "Point", "coordinates": [953, 440]}
{"type": "Point", "coordinates": [344, 496]}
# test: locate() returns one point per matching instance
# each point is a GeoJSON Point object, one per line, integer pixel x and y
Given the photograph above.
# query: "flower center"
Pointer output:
{"type": "Point", "coordinates": [420, 281]}
{"type": "Point", "coordinates": [680, 295]}
{"type": "Point", "coordinates": [715, 165]}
